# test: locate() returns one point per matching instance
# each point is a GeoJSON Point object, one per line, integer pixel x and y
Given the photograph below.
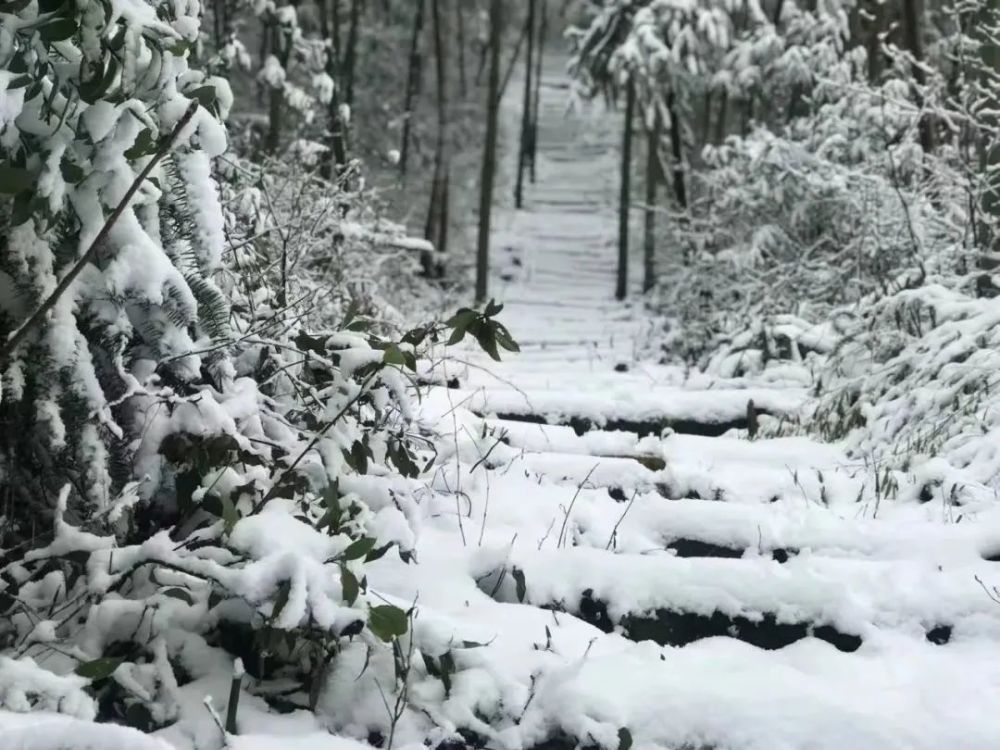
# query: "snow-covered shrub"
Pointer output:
{"type": "Point", "coordinates": [90, 90]}
{"type": "Point", "coordinates": [206, 439]}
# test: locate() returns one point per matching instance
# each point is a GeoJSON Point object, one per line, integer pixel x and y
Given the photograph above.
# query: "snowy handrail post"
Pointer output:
{"type": "Point", "coordinates": [18, 336]}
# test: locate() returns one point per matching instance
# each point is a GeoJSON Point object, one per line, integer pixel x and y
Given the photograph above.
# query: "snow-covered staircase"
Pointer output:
{"type": "Point", "coordinates": [671, 588]}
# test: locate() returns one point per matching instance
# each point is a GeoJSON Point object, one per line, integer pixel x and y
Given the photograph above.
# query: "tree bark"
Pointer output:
{"type": "Point", "coordinates": [412, 85]}
{"type": "Point", "coordinates": [524, 149]}
{"type": "Point", "coordinates": [543, 31]}
{"type": "Point", "coordinates": [437, 212]}
{"type": "Point", "coordinates": [351, 53]}
{"type": "Point", "coordinates": [463, 81]}
{"type": "Point", "coordinates": [653, 176]}
{"type": "Point", "coordinates": [489, 153]}
{"type": "Point", "coordinates": [912, 17]}
{"type": "Point", "coordinates": [677, 153]}
{"type": "Point", "coordinates": [625, 198]}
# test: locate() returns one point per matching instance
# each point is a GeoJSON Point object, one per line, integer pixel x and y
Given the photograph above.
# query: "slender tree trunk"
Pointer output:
{"type": "Point", "coordinates": [625, 199]}
{"type": "Point", "coordinates": [335, 27]}
{"type": "Point", "coordinates": [543, 31]}
{"type": "Point", "coordinates": [912, 18]}
{"type": "Point", "coordinates": [990, 149]}
{"type": "Point", "coordinates": [873, 42]}
{"type": "Point", "coordinates": [335, 158]}
{"type": "Point", "coordinates": [529, 71]}
{"type": "Point", "coordinates": [677, 153]}
{"type": "Point", "coordinates": [720, 122]}
{"type": "Point", "coordinates": [282, 47]}
{"type": "Point", "coordinates": [489, 153]}
{"type": "Point", "coordinates": [351, 53]}
{"type": "Point", "coordinates": [412, 85]}
{"type": "Point", "coordinates": [323, 6]}
{"type": "Point", "coordinates": [437, 213]}
{"type": "Point", "coordinates": [463, 82]}
{"type": "Point", "coordinates": [653, 177]}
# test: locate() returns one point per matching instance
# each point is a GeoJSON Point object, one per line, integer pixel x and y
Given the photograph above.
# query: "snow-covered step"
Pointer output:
{"type": "Point", "coordinates": [676, 601]}
{"type": "Point", "coordinates": [650, 412]}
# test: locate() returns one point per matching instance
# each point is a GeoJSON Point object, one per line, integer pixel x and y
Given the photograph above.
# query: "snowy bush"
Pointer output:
{"type": "Point", "coordinates": [209, 434]}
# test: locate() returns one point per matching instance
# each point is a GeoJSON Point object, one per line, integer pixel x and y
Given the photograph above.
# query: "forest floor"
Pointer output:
{"type": "Point", "coordinates": [642, 571]}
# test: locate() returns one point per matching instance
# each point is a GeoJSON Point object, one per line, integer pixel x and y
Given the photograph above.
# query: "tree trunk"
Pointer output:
{"type": "Point", "coordinates": [463, 83]}
{"type": "Point", "coordinates": [524, 149]}
{"type": "Point", "coordinates": [677, 153]}
{"type": "Point", "coordinates": [653, 176]}
{"type": "Point", "coordinates": [625, 199]}
{"type": "Point", "coordinates": [912, 17]}
{"type": "Point", "coordinates": [990, 150]}
{"type": "Point", "coordinates": [335, 158]}
{"type": "Point", "coordinates": [412, 85]}
{"type": "Point", "coordinates": [489, 153]}
{"type": "Point", "coordinates": [873, 41]}
{"type": "Point", "coordinates": [437, 212]}
{"type": "Point", "coordinates": [543, 31]}
{"type": "Point", "coordinates": [351, 53]}
{"type": "Point", "coordinates": [282, 48]}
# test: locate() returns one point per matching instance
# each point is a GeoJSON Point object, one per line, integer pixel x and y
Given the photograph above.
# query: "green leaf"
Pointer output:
{"type": "Point", "coordinates": [180, 48]}
{"type": "Point", "coordinates": [520, 585]}
{"type": "Point", "coordinates": [230, 515]}
{"type": "Point", "coordinates": [139, 717]}
{"type": "Point", "coordinates": [504, 338]}
{"type": "Point", "coordinates": [179, 593]}
{"type": "Point", "coordinates": [492, 308]}
{"type": "Point", "coordinates": [71, 173]}
{"type": "Point", "coordinates": [624, 739]}
{"type": "Point", "coordinates": [98, 669]}
{"type": "Point", "coordinates": [22, 209]}
{"type": "Point", "coordinates": [58, 30]}
{"type": "Point", "coordinates": [394, 356]}
{"type": "Point", "coordinates": [486, 337]}
{"type": "Point", "coordinates": [350, 586]}
{"type": "Point", "coordinates": [281, 599]}
{"type": "Point", "coordinates": [145, 145]}
{"type": "Point", "coordinates": [358, 549]}
{"type": "Point", "coordinates": [461, 322]}
{"type": "Point", "coordinates": [206, 96]}
{"type": "Point", "coordinates": [14, 6]}
{"type": "Point", "coordinates": [379, 553]}
{"type": "Point", "coordinates": [387, 622]}
{"type": "Point", "coordinates": [14, 180]}
{"type": "Point", "coordinates": [359, 457]}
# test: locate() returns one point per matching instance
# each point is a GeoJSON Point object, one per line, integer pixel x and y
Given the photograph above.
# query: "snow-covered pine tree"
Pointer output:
{"type": "Point", "coordinates": [88, 92]}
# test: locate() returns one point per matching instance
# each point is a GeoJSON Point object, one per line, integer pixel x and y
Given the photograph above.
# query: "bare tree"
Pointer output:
{"type": "Point", "coordinates": [412, 85]}
{"type": "Point", "coordinates": [436, 228]}
{"type": "Point", "coordinates": [912, 35]}
{"type": "Point", "coordinates": [653, 177]}
{"type": "Point", "coordinates": [524, 150]}
{"type": "Point", "coordinates": [625, 200]}
{"type": "Point", "coordinates": [489, 153]}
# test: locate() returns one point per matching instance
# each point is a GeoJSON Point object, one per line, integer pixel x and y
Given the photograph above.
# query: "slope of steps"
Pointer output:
{"type": "Point", "coordinates": [635, 566]}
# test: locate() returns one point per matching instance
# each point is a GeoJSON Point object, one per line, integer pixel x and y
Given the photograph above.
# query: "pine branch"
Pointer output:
{"type": "Point", "coordinates": [19, 335]}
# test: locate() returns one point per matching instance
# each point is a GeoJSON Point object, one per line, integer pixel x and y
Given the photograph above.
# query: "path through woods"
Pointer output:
{"type": "Point", "coordinates": [640, 577]}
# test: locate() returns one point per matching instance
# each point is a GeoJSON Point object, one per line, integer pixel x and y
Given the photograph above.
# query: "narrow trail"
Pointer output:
{"type": "Point", "coordinates": [643, 572]}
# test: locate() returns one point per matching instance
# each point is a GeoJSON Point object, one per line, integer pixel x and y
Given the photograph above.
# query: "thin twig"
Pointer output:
{"type": "Point", "coordinates": [562, 530]}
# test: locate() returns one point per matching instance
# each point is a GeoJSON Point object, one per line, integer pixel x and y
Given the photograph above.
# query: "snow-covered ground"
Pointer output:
{"type": "Point", "coordinates": [675, 590]}
{"type": "Point", "coordinates": [599, 567]}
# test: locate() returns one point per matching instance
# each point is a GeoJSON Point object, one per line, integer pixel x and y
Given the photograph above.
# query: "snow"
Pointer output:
{"type": "Point", "coordinates": [601, 550]}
